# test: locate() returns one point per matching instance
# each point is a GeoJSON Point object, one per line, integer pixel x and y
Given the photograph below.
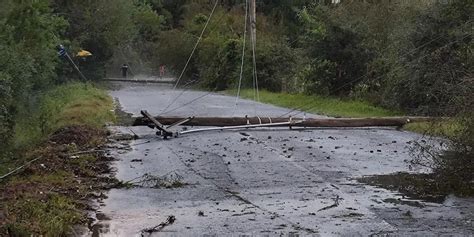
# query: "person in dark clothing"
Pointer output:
{"type": "Point", "coordinates": [124, 70]}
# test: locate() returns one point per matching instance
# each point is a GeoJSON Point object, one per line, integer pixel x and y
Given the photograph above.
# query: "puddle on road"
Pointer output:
{"type": "Point", "coordinates": [415, 186]}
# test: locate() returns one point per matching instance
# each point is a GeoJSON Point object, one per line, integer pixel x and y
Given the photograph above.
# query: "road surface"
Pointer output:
{"type": "Point", "coordinates": [265, 182]}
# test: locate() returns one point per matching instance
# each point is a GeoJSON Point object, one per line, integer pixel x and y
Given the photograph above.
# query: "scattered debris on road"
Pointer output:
{"type": "Point", "coordinates": [170, 180]}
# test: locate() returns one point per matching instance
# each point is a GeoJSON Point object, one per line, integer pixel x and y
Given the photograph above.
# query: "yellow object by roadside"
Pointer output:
{"type": "Point", "coordinates": [83, 53]}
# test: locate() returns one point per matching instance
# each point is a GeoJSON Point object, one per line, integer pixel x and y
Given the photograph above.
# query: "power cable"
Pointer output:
{"type": "Point", "coordinates": [19, 168]}
{"type": "Point", "coordinates": [403, 55]}
{"type": "Point", "coordinates": [192, 53]}
{"type": "Point", "coordinates": [243, 57]}
{"type": "Point", "coordinates": [197, 43]}
{"type": "Point", "coordinates": [189, 102]}
{"type": "Point", "coordinates": [401, 67]}
{"type": "Point", "coordinates": [186, 88]}
{"type": "Point", "coordinates": [357, 79]}
{"type": "Point", "coordinates": [299, 108]}
{"type": "Point", "coordinates": [255, 70]}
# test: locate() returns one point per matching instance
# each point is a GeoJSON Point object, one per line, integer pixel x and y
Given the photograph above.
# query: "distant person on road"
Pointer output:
{"type": "Point", "coordinates": [162, 71]}
{"type": "Point", "coordinates": [124, 70]}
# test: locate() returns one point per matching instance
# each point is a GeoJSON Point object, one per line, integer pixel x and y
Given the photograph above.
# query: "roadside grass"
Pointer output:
{"type": "Point", "coordinates": [48, 197]}
{"type": "Point", "coordinates": [52, 216]}
{"type": "Point", "coordinates": [431, 187]}
{"type": "Point", "coordinates": [448, 128]}
{"type": "Point", "coordinates": [329, 106]}
{"type": "Point", "coordinates": [43, 199]}
{"type": "Point", "coordinates": [69, 104]}
{"type": "Point", "coordinates": [64, 105]}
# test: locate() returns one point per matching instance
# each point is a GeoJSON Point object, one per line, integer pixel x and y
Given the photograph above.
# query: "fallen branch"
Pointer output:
{"type": "Point", "coordinates": [86, 152]}
{"type": "Point", "coordinates": [169, 180]}
{"type": "Point", "coordinates": [141, 143]}
{"type": "Point", "coordinates": [336, 203]}
{"type": "Point", "coordinates": [135, 136]}
{"type": "Point", "coordinates": [19, 168]}
{"type": "Point", "coordinates": [170, 220]}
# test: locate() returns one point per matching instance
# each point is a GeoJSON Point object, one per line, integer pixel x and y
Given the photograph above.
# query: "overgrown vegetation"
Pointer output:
{"type": "Point", "coordinates": [446, 128]}
{"type": "Point", "coordinates": [65, 105]}
{"type": "Point", "coordinates": [427, 187]}
{"type": "Point", "coordinates": [48, 196]}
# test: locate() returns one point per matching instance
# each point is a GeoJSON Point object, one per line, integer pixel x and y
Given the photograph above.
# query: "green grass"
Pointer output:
{"type": "Point", "coordinates": [51, 217]}
{"type": "Point", "coordinates": [448, 128]}
{"type": "Point", "coordinates": [334, 107]}
{"type": "Point", "coordinates": [69, 104]}
{"type": "Point", "coordinates": [38, 202]}
{"type": "Point", "coordinates": [48, 203]}
{"type": "Point", "coordinates": [56, 178]}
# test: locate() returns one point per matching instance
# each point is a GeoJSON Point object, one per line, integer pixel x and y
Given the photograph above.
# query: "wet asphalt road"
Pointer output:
{"type": "Point", "coordinates": [265, 182]}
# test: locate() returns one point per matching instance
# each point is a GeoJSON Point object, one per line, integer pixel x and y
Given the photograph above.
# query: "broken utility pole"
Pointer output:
{"type": "Point", "coordinates": [308, 122]}
{"type": "Point", "coordinates": [163, 131]}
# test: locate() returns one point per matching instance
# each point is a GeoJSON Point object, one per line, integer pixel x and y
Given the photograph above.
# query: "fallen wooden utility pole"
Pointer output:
{"type": "Point", "coordinates": [308, 122]}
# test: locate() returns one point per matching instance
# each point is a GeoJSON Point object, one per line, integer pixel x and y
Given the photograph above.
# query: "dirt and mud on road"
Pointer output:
{"type": "Point", "coordinates": [264, 182]}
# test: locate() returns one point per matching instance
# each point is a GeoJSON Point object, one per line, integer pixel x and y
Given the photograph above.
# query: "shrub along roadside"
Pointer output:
{"type": "Point", "coordinates": [48, 197]}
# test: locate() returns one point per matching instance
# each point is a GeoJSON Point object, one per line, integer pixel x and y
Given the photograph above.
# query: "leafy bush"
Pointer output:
{"type": "Point", "coordinates": [337, 56]}
{"type": "Point", "coordinates": [435, 71]}
{"type": "Point", "coordinates": [440, 83]}
{"type": "Point", "coordinates": [27, 42]}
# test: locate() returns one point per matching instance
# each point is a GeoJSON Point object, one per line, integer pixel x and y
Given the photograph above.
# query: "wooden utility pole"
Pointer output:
{"type": "Point", "coordinates": [253, 22]}
{"type": "Point", "coordinates": [308, 122]}
{"type": "Point", "coordinates": [253, 38]}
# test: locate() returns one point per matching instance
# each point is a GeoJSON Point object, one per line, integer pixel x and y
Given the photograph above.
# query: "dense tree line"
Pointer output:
{"type": "Point", "coordinates": [397, 54]}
